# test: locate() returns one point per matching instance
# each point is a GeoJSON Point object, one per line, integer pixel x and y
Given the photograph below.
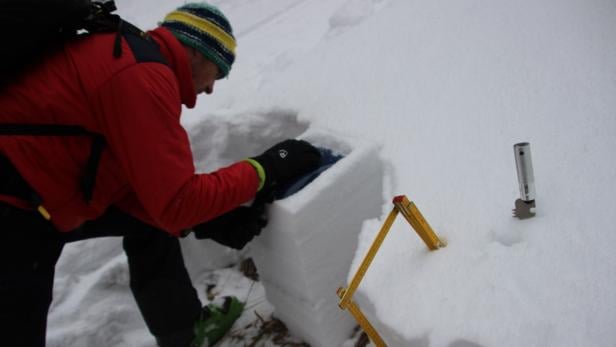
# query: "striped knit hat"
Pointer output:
{"type": "Point", "coordinates": [204, 27]}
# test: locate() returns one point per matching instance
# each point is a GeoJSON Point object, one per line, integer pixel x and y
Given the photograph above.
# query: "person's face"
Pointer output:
{"type": "Point", "coordinates": [204, 72]}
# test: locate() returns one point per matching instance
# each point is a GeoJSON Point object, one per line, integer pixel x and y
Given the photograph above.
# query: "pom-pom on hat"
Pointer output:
{"type": "Point", "coordinates": [204, 27]}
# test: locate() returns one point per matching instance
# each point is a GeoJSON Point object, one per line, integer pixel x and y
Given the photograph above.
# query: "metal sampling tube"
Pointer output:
{"type": "Point", "coordinates": [524, 166]}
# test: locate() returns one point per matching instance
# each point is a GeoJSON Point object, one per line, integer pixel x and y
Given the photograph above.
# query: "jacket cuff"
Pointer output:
{"type": "Point", "coordinates": [260, 172]}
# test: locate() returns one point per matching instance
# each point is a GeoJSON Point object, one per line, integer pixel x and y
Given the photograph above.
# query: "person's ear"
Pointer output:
{"type": "Point", "coordinates": [191, 52]}
{"type": "Point", "coordinates": [195, 53]}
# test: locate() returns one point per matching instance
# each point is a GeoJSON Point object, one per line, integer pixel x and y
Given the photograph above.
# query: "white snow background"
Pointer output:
{"type": "Point", "coordinates": [446, 88]}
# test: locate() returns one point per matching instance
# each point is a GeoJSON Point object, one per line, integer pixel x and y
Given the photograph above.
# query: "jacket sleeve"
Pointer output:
{"type": "Point", "coordinates": [139, 114]}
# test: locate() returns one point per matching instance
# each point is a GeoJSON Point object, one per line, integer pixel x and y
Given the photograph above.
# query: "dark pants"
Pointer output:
{"type": "Point", "coordinates": [30, 248]}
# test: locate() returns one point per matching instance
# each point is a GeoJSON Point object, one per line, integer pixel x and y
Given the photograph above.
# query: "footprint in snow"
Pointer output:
{"type": "Point", "coordinates": [353, 12]}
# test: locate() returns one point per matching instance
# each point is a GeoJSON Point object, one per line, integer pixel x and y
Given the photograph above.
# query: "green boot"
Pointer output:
{"type": "Point", "coordinates": [215, 321]}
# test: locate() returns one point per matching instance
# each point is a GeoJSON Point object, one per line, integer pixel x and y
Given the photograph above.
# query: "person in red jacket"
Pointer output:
{"type": "Point", "coordinates": [98, 150]}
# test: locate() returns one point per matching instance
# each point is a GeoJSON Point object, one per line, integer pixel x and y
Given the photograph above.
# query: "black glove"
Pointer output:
{"type": "Point", "coordinates": [235, 228]}
{"type": "Point", "coordinates": [285, 161]}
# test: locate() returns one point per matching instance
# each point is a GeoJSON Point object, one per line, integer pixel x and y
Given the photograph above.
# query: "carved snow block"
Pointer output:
{"type": "Point", "coordinates": [306, 250]}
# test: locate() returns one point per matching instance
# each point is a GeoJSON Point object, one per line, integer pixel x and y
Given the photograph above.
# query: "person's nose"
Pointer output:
{"type": "Point", "coordinates": [209, 89]}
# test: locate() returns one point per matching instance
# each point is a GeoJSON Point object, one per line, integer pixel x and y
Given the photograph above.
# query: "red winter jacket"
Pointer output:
{"type": "Point", "coordinates": [146, 168]}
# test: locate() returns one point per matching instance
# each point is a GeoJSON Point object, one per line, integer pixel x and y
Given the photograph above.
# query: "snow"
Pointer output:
{"type": "Point", "coordinates": [445, 88]}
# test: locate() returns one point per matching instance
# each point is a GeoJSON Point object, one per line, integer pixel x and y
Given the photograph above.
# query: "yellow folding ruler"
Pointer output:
{"type": "Point", "coordinates": [420, 225]}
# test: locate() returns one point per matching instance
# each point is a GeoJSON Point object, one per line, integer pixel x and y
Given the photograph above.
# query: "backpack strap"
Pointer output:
{"type": "Point", "coordinates": [42, 130]}
{"type": "Point", "coordinates": [141, 44]}
{"type": "Point", "coordinates": [144, 48]}
{"type": "Point", "coordinates": [88, 178]}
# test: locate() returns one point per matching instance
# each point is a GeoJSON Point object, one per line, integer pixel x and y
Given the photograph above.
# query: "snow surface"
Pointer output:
{"type": "Point", "coordinates": [446, 88]}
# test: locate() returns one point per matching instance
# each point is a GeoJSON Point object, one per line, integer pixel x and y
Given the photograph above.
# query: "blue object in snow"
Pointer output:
{"type": "Point", "coordinates": [328, 158]}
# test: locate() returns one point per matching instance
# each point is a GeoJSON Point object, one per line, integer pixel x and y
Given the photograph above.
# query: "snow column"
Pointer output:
{"type": "Point", "coordinates": [306, 250]}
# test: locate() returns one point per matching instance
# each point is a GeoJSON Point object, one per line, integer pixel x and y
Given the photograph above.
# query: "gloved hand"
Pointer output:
{"type": "Point", "coordinates": [283, 162]}
{"type": "Point", "coordinates": [235, 228]}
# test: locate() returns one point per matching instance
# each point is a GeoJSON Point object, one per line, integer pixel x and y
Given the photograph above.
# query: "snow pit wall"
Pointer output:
{"type": "Point", "coordinates": [306, 251]}
{"type": "Point", "coordinates": [218, 140]}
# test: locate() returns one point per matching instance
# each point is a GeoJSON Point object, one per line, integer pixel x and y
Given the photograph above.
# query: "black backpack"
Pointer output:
{"type": "Point", "coordinates": [34, 29]}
